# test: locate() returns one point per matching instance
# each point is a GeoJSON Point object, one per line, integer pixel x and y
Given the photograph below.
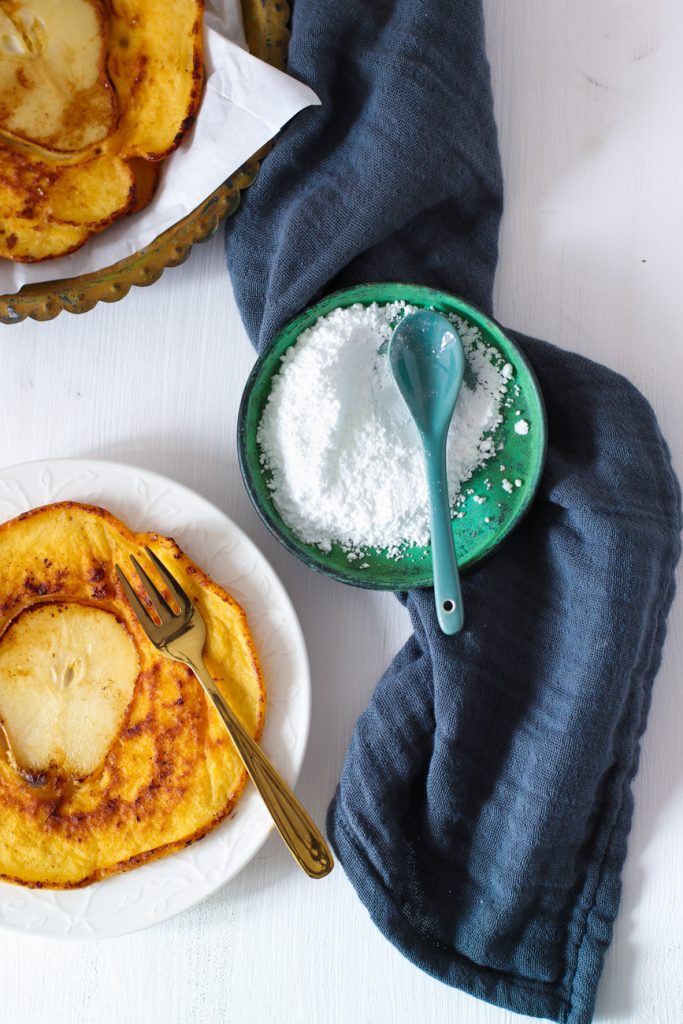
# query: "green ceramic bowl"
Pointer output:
{"type": "Point", "coordinates": [483, 526]}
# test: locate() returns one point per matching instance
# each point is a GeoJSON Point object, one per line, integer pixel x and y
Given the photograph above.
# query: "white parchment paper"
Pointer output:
{"type": "Point", "coordinates": [245, 104]}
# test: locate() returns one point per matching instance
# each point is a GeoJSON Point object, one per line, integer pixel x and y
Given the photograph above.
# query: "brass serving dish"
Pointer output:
{"type": "Point", "coordinates": [265, 25]}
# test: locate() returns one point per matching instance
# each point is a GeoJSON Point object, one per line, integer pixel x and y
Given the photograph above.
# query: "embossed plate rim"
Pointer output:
{"type": "Point", "coordinates": [155, 892]}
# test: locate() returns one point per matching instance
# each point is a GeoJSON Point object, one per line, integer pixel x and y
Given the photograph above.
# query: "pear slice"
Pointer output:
{"type": "Point", "coordinates": [54, 90]}
{"type": "Point", "coordinates": [67, 675]}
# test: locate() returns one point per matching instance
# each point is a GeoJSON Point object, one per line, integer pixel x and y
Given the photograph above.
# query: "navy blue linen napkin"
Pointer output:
{"type": "Point", "coordinates": [484, 805]}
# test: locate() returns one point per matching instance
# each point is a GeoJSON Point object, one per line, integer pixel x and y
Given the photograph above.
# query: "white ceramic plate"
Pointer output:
{"type": "Point", "coordinates": [146, 501]}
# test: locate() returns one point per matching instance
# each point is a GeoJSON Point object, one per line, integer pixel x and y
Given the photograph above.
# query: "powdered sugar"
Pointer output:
{"type": "Point", "coordinates": [343, 453]}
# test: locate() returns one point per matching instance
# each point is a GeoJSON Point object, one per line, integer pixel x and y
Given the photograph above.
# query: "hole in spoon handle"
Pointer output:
{"type": "Point", "coordinates": [450, 615]}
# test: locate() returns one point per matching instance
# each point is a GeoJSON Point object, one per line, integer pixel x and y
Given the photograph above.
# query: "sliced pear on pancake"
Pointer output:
{"type": "Point", "coordinates": [67, 675]}
{"type": "Point", "coordinates": [54, 90]}
{"type": "Point", "coordinates": [68, 166]}
{"type": "Point", "coordinates": [114, 755]}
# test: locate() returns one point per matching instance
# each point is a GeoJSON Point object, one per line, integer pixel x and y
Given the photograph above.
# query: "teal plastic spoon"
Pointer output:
{"type": "Point", "coordinates": [428, 362]}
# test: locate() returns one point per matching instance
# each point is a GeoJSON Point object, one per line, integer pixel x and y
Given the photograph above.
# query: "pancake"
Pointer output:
{"type": "Point", "coordinates": [112, 755]}
{"type": "Point", "coordinates": [90, 93]}
{"type": "Point", "coordinates": [48, 210]}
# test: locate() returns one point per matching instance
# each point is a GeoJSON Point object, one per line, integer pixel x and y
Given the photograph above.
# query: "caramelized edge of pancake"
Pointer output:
{"type": "Point", "coordinates": [206, 582]}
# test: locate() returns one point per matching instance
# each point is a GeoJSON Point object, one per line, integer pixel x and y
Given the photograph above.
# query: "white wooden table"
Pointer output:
{"type": "Point", "coordinates": [588, 101]}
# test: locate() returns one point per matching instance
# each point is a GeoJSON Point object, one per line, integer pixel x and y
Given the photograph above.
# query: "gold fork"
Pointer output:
{"type": "Point", "coordinates": [181, 636]}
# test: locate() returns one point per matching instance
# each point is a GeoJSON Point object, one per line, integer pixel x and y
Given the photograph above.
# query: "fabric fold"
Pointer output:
{"type": "Point", "coordinates": [485, 801]}
{"type": "Point", "coordinates": [484, 806]}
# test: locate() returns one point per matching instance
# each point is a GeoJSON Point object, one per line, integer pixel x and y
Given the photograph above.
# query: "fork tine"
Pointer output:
{"type": "Point", "coordinates": [161, 605]}
{"type": "Point", "coordinates": [150, 627]}
{"type": "Point", "coordinates": [171, 582]}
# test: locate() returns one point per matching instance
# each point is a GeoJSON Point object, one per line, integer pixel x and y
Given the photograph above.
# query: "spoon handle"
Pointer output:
{"type": "Point", "coordinates": [447, 596]}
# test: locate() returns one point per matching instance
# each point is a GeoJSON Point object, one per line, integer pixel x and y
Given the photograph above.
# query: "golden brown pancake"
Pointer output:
{"type": "Point", "coordinates": [90, 91]}
{"type": "Point", "coordinates": [112, 754]}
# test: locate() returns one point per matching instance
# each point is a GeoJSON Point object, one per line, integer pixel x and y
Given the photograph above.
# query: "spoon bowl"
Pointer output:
{"type": "Point", "coordinates": [428, 363]}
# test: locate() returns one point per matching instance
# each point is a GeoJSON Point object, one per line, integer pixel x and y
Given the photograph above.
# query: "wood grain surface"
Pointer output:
{"type": "Point", "coordinates": [588, 103]}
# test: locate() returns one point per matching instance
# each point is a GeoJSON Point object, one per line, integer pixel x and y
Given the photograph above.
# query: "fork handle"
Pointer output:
{"type": "Point", "coordinates": [302, 837]}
